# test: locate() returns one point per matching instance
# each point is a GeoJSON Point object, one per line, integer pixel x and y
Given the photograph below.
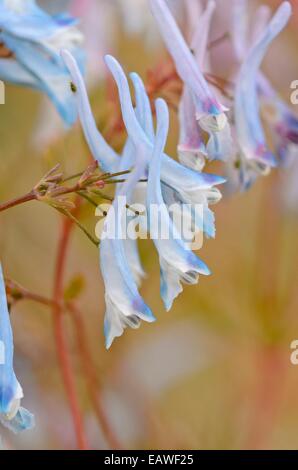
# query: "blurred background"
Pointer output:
{"type": "Point", "coordinates": [215, 372]}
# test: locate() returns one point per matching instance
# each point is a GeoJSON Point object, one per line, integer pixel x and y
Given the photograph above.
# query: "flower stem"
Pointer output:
{"type": "Point", "coordinates": [91, 378]}
{"type": "Point", "coordinates": [68, 214]}
{"type": "Point", "coordinates": [31, 196]}
{"type": "Point", "coordinates": [61, 342]}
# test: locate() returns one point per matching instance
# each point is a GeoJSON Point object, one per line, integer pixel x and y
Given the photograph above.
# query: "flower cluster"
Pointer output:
{"type": "Point", "coordinates": [119, 260]}
{"type": "Point", "coordinates": [244, 150]}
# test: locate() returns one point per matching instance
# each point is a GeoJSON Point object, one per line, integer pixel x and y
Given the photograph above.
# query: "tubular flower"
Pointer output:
{"type": "Point", "coordinates": [255, 156]}
{"type": "Point", "coordinates": [12, 415]}
{"type": "Point", "coordinates": [177, 262]}
{"type": "Point", "coordinates": [282, 120]}
{"type": "Point", "coordinates": [209, 112]}
{"type": "Point", "coordinates": [32, 40]}
{"type": "Point", "coordinates": [124, 305]}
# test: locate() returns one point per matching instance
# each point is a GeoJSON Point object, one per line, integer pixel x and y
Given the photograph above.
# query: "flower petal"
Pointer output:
{"type": "Point", "coordinates": [107, 158]}
{"type": "Point", "coordinates": [249, 128]}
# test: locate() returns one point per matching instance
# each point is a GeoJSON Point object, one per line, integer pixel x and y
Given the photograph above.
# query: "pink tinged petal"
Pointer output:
{"type": "Point", "coordinates": [199, 43]}
{"type": "Point", "coordinates": [261, 20]}
{"type": "Point", "coordinates": [187, 68]}
{"type": "Point", "coordinates": [191, 148]}
{"type": "Point", "coordinates": [249, 128]}
{"type": "Point", "coordinates": [240, 28]}
{"type": "Point", "coordinates": [106, 157]}
{"type": "Point", "coordinates": [193, 9]}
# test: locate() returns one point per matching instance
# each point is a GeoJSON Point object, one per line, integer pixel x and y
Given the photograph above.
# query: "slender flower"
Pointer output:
{"type": "Point", "coordinates": [33, 40]}
{"type": "Point", "coordinates": [12, 415]}
{"type": "Point", "coordinates": [102, 152]}
{"type": "Point", "coordinates": [255, 157]}
{"type": "Point", "coordinates": [191, 149]}
{"type": "Point", "coordinates": [177, 262]}
{"type": "Point", "coordinates": [209, 112]}
{"type": "Point", "coordinates": [124, 305]}
{"type": "Point", "coordinates": [282, 120]}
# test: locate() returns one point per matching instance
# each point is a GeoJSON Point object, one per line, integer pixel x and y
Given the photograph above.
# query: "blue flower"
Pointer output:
{"type": "Point", "coordinates": [119, 259]}
{"type": "Point", "coordinates": [33, 39]}
{"type": "Point", "coordinates": [209, 112]}
{"type": "Point", "coordinates": [177, 262]}
{"type": "Point", "coordinates": [124, 305]}
{"type": "Point", "coordinates": [282, 120]}
{"type": "Point", "coordinates": [255, 156]}
{"type": "Point", "coordinates": [12, 415]}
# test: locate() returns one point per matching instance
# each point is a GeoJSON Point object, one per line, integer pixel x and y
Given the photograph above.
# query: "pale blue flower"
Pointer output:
{"type": "Point", "coordinates": [209, 112]}
{"type": "Point", "coordinates": [103, 153]}
{"type": "Point", "coordinates": [34, 39]}
{"type": "Point", "coordinates": [124, 305]}
{"type": "Point", "coordinates": [282, 120]}
{"type": "Point", "coordinates": [255, 156]}
{"type": "Point", "coordinates": [12, 415]}
{"type": "Point", "coordinates": [177, 262]}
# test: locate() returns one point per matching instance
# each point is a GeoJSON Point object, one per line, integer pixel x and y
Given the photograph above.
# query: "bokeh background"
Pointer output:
{"type": "Point", "coordinates": [215, 372]}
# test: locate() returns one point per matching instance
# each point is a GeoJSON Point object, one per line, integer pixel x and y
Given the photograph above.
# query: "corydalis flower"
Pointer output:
{"type": "Point", "coordinates": [177, 262]}
{"type": "Point", "coordinates": [282, 120]}
{"type": "Point", "coordinates": [12, 415]}
{"type": "Point", "coordinates": [209, 113]}
{"type": "Point", "coordinates": [255, 157]}
{"type": "Point", "coordinates": [124, 305]}
{"type": "Point", "coordinates": [191, 149]}
{"type": "Point", "coordinates": [119, 260]}
{"type": "Point", "coordinates": [32, 40]}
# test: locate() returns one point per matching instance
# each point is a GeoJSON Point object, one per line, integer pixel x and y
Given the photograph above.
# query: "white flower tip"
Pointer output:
{"type": "Point", "coordinates": [282, 14]}
{"type": "Point", "coordinates": [111, 61]}
{"type": "Point", "coordinates": [286, 8]}
{"type": "Point", "coordinates": [213, 123]}
{"type": "Point", "coordinates": [13, 409]}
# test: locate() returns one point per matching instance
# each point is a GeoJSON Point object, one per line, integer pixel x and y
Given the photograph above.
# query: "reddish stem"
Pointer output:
{"type": "Point", "coordinates": [61, 342]}
{"type": "Point", "coordinates": [17, 201]}
{"type": "Point", "coordinates": [268, 397]}
{"type": "Point", "coordinates": [91, 378]}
